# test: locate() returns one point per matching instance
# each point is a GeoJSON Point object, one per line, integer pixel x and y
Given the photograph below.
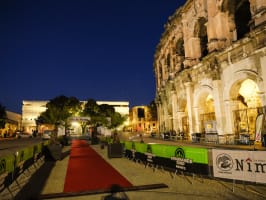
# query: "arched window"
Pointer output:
{"type": "Point", "coordinates": [242, 18]}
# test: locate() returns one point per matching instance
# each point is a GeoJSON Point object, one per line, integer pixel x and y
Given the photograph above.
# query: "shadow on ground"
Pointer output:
{"type": "Point", "coordinates": [35, 185]}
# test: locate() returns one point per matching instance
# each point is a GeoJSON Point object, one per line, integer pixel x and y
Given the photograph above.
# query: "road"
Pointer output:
{"type": "Point", "coordinates": [9, 146]}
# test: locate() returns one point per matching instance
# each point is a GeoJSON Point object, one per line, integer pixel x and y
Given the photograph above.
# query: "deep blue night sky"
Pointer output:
{"type": "Point", "coordinates": [100, 49]}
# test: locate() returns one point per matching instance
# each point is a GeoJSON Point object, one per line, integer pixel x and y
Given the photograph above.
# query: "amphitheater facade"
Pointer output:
{"type": "Point", "coordinates": [210, 68]}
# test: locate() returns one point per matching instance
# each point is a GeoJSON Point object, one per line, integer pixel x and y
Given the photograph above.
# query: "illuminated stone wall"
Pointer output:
{"type": "Point", "coordinates": [140, 120]}
{"type": "Point", "coordinates": [207, 51]}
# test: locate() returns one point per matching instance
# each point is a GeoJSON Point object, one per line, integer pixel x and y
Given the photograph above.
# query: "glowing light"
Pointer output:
{"type": "Point", "coordinates": [209, 98]}
{"type": "Point", "coordinates": [74, 123]}
{"type": "Point", "coordinates": [248, 88]}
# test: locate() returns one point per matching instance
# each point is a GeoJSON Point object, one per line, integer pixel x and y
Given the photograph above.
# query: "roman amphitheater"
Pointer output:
{"type": "Point", "coordinates": [210, 69]}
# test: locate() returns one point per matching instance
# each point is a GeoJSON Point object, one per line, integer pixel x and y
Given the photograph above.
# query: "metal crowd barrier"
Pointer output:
{"type": "Point", "coordinates": [13, 165]}
{"type": "Point", "coordinates": [231, 164]}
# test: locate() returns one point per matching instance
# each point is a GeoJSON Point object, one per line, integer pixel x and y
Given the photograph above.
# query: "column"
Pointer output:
{"type": "Point", "coordinates": [230, 105]}
{"type": "Point", "coordinates": [174, 110]}
{"type": "Point", "coordinates": [218, 106]}
{"type": "Point", "coordinates": [263, 74]}
{"type": "Point", "coordinates": [189, 93]}
{"type": "Point", "coordinates": [197, 120]}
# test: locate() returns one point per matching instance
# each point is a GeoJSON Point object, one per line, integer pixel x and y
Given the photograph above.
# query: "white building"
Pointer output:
{"type": "Point", "coordinates": [31, 110]}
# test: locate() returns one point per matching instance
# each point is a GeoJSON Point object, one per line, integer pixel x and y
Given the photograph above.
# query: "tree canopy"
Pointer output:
{"type": "Point", "coordinates": [102, 115]}
{"type": "Point", "coordinates": [61, 109]}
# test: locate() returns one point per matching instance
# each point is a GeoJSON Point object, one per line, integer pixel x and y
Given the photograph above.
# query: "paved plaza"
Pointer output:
{"type": "Point", "coordinates": [49, 178]}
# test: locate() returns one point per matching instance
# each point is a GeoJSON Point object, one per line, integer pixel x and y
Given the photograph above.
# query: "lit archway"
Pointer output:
{"type": "Point", "coordinates": [203, 105]}
{"type": "Point", "coordinates": [248, 104]}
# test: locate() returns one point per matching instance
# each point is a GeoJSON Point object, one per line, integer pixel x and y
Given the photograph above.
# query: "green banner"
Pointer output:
{"type": "Point", "coordinates": [140, 147]}
{"type": "Point", "coordinates": [128, 145]}
{"type": "Point", "coordinates": [197, 155]}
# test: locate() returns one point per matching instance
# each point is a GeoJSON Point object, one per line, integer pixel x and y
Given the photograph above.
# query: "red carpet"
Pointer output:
{"type": "Point", "coordinates": [89, 171]}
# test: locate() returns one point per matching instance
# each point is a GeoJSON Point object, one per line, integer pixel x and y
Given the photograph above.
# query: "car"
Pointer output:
{"type": "Point", "coordinates": [47, 134]}
{"type": "Point", "coordinates": [23, 135]}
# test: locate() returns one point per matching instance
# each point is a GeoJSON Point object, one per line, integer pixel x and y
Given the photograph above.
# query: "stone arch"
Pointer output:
{"type": "Point", "coordinates": [243, 110]}
{"type": "Point", "coordinates": [195, 36]}
{"type": "Point", "coordinates": [179, 47]}
{"type": "Point", "coordinates": [239, 14]}
{"type": "Point", "coordinates": [200, 93]}
{"type": "Point", "coordinates": [242, 18]}
{"type": "Point", "coordinates": [235, 93]}
{"type": "Point", "coordinates": [230, 93]}
{"type": "Point", "coordinates": [179, 54]}
{"type": "Point", "coordinates": [200, 31]}
{"type": "Point", "coordinates": [203, 106]}
{"type": "Point", "coordinates": [182, 114]}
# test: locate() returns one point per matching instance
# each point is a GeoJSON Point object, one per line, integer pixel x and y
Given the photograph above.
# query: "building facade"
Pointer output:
{"type": "Point", "coordinates": [141, 120]}
{"type": "Point", "coordinates": [31, 110]}
{"type": "Point", "coordinates": [13, 124]}
{"type": "Point", "coordinates": [210, 67]}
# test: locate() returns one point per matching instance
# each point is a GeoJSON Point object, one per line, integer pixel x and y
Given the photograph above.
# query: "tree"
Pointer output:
{"type": "Point", "coordinates": [117, 119]}
{"type": "Point", "coordinates": [90, 110]}
{"type": "Point", "coordinates": [59, 110]}
{"type": "Point", "coordinates": [102, 115]}
{"type": "Point", "coordinates": [3, 116]}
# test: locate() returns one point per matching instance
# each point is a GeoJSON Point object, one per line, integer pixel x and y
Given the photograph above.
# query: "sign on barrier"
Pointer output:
{"type": "Point", "coordinates": [240, 165]}
{"type": "Point", "coordinates": [187, 159]}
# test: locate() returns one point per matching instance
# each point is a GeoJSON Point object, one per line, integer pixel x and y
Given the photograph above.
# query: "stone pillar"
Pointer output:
{"type": "Point", "coordinates": [229, 123]}
{"type": "Point", "coordinates": [192, 45]}
{"type": "Point", "coordinates": [164, 73]}
{"type": "Point", "coordinates": [159, 116]}
{"type": "Point", "coordinates": [263, 74]}
{"type": "Point", "coordinates": [158, 73]}
{"type": "Point", "coordinates": [220, 27]}
{"type": "Point", "coordinates": [179, 60]}
{"type": "Point", "coordinates": [197, 119]}
{"type": "Point", "coordinates": [174, 110]}
{"type": "Point", "coordinates": [180, 115]}
{"type": "Point", "coordinates": [170, 51]}
{"type": "Point", "coordinates": [165, 116]}
{"type": "Point", "coordinates": [189, 93]}
{"type": "Point", "coordinates": [192, 51]}
{"type": "Point", "coordinates": [170, 122]}
{"type": "Point", "coordinates": [218, 106]}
